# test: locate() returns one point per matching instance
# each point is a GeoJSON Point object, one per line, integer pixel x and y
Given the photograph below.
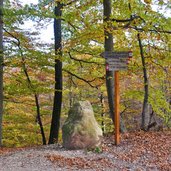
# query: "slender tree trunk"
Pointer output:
{"type": "Point", "coordinates": [102, 112]}
{"type": "Point", "coordinates": [70, 92]}
{"type": "Point", "coordinates": [35, 96]}
{"type": "Point", "coordinates": [145, 114]}
{"type": "Point", "coordinates": [1, 69]}
{"type": "Point", "coordinates": [36, 100]}
{"type": "Point", "coordinates": [30, 86]}
{"type": "Point", "coordinates": [39, 119]}
{"type": "Point", "coordinates": [55, 123]}
{"type": "Point", "coordinates": [108, 45]}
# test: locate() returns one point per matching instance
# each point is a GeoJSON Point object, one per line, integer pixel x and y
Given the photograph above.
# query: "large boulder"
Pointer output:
{"type": "Point", "coordinates": [81, 129]}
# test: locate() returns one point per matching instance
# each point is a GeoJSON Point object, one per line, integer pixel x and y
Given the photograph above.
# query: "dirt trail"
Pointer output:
{"type": "Point", "coordinates": [137, 151]}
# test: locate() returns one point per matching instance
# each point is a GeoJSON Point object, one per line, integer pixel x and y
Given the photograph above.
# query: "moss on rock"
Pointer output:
{"type": "Point", "coordinates": [81, 129]}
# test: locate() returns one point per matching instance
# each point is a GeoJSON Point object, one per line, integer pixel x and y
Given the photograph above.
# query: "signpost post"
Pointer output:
{"type": "Point", "coordinates": [116, 61]}
{"type": "Point", "coordinates": [116, 103]}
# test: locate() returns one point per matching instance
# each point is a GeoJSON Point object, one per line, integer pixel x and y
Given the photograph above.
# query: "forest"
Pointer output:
{"type": "Point", "coordinates": [40, 81]}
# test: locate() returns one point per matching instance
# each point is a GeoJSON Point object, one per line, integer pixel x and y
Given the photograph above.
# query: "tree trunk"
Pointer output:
{"type": "Point", "coordinates": [39, 119]}
{"type": "Point", "coordinates": [1, 69]}
{"type": "Point", "coordinates": [145, 114]}
{"type": "Point", "coordinates": [102, 113]}
{"type": "Point", "coordinates": [55, 123]}
{"type": "Point", "coordinates": [108, 45]}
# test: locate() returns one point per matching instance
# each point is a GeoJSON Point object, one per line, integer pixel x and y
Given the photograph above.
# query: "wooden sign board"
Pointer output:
{"type": "Point", "coordinates": [116, 64]}
{"type": "Point", "coordinates": [116, 61]}
{"type": "Point", "coordinates": [114, 67]}
{"type": "Point", "coordinates": [119, 54]}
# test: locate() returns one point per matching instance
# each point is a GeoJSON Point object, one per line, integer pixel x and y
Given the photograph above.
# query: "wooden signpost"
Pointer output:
{"type": "Point", "coordinates": [117, 108]}
{"type": "Point", "coordinates": [116, 61]}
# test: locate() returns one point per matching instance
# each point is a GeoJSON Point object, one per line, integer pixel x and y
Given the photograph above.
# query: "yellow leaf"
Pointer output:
{"type": "Point", "coordinates": [147, 1]}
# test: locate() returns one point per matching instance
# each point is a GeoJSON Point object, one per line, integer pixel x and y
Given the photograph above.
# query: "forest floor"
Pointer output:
{"type": "Point", "coordinates": [138, 151]}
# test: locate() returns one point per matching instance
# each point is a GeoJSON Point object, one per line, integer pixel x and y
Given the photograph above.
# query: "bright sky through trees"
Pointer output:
{"type": "Point", "coordinates": [46, 34]}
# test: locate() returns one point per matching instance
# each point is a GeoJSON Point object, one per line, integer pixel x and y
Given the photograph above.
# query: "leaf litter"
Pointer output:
{"type": "Point", "coordinates": [139, 151]}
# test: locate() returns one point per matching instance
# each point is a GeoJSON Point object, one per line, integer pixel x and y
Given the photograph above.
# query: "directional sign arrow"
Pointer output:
{"type": "Point", "coordinates": [117, 67]}
{"type": "Point", "coordinates": [116, 60]}
{"type": "Point", "coordinates": [116, 54]}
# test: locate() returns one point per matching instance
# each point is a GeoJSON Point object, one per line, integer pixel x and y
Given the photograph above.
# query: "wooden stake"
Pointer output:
{"type": "Point", "coordinates": [116, 103]}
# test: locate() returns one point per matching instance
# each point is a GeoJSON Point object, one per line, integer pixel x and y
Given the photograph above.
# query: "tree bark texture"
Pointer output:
{"type": "Point", "coordinates": [56, 114]}
{"type": "Point", "coordinates": [145, 115]}
{"type": "Point", "coordinates": [39, 119]}
{"type": "Point", "coordinates": [1, 69]}
{"type": "Point", "coordinates": [108, 46]}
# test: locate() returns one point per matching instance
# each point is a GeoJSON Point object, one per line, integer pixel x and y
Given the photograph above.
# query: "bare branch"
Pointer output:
{"type": "Point", "coordinates": [69, 3]}
{"type": "Point", "coordinates": [84, 61]}
{"type": "Point", "coordinates": [151, 30]}
{"type": "Point", "coordinates": [74, 27]}
{"type": "Point", "coordinates": [133, 17]}
{"type": "Point", "coordinates": [17, 102]}
{"type": "Point", "coordinates": [80, 78]}
{"type": "Point", "coordinates": [18, 41]}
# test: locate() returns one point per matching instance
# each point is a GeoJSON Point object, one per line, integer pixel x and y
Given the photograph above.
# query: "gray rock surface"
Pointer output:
{"type": "Point", "coordinates": [81, 129]}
